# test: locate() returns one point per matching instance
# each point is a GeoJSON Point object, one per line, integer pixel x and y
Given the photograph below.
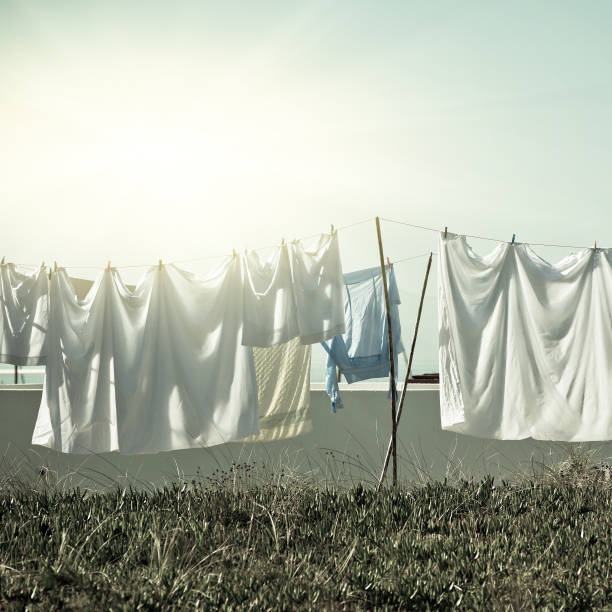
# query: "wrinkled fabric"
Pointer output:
{"type": "Point", "coordinates": [296, 292]}
{"type": "Point", "coordinates": [362, 352]}
{"type": "Point", "coordinates": [156, 369]}
{"type": "Point", "coordinates": [269, 308]}
{"type": "Point", "coordinates": [283, 389]}
{"type": "Point", "coordinates": [318, 288]}
{"type": "Point", "coordinates": [525, 345]}
{"type": "Point", "coordinates": [23, 315]}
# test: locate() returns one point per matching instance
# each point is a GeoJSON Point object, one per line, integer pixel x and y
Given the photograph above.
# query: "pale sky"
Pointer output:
{"type": "Point", "coordinates": [134, 131]}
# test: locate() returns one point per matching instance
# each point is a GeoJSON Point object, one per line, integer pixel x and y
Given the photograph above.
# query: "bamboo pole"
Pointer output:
{"type": "Point", "coordinates": [391, 360]}
{"type": "Point", "coordinates": [401, 404]}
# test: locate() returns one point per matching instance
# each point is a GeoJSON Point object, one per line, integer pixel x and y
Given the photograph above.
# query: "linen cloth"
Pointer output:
{"type": "Point", "coordinates": [363, 351]}
{"type": "Point", "coordinates": [23, 315]}
{"type": "Point", "coordinates": [297, 291]}
{"type": "Point", "coordinates": [157, 369]}
{"type": "Point", "coordinates": [318, 287]}
{"type": "Point", "coordinates": [283, 389]}
{"type": "Point", "coordinates": [525, 345]}
{"type": "Point", "coordinates": [269, 308]}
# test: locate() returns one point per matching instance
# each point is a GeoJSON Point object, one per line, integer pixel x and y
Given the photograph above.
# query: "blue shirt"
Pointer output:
{"type": "Point", "coordinates": [363, 351]}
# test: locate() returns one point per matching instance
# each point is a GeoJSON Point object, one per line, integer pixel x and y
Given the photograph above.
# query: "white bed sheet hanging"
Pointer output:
{"type": "Point", "coordinates": [23, 315]}
{"type": "Point", "coordinates": [157, 369]}
{"type": "Point", "coordinates": [525, 346]}
{"type": "Point", "coordinates": [318, 285]}
{"type": "Point", "coordinates": [297, 291]}
{"type": "Point", "coordinates": [269, 308]}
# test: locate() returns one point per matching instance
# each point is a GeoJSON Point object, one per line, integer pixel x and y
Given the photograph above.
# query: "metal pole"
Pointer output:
{"type": "Point", "coordinates": [391, 360]}
{"type": "Point", "coordinates": [401, 404]}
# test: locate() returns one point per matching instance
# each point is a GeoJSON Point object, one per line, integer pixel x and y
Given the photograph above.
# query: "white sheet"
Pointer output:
{"type": "Point", "coordinates": [269, 308]}
{"type": "Point", "coordinates": [297, 291]}
{"type": "Point", "coordinates": [318, 285]}
{"type": "Point", "coordinates": [525, 346]}
{"type": "Point", "coordinates": [23, 315]}
{"type": "Point", "coordinates": [160, 368]}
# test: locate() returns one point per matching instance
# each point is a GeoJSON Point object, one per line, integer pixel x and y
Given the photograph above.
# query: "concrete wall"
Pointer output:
{"type": "Point", "coordinates": [343, 448]}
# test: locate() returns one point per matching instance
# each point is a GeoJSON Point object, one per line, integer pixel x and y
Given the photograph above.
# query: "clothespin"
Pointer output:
{"type": "Point", "coordinates": [55, 266]}
{"type": "Point", "coordinates": [388, 263]}
{"type": "Point", "coordinates": [445, 231]}
{"type": "Point", "coordinates": [331, 231]}
{"type": "Point", "coordinates": [595, 245]}
{"type": "Point", "coordinates": [283, 242]}
{"type": "Point", "coordinates": [234, 254]}
{"type": "Point", "coordinates": [160, 264]}
{"type": "Point", "coordinates": [42, 264]}
{"type": "Point", "coordinates": [513, 237]}
{"type": "Point", "coordinates": [3, 258]}
{"type": "Point", "coordinates": [108, 266]}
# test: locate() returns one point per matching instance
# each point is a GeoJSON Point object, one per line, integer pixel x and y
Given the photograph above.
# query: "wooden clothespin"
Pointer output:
{"type": "Point", "coordinates": [55, 266]}
{"type": "Point", "coordinates": [283, 242]}
{"type": "Point", "coordinates": [595, 245]}
{"type": "Point", "coordinates": [513, 237]}
{"type": "Point", "coordinates": [160, 264]}
{"type": "Point", "coordinates": [331, 231]}
{"type": "Point", "coordinates": [3, 260]}
{"type": "Point", "coordinates": [445, 231]}
{"type": "Point", "coordinates": [108, 266]}
{"type": "Point", "coordinates": [388, 262]}
{"type": "Point", "coordinates": [234, 254]}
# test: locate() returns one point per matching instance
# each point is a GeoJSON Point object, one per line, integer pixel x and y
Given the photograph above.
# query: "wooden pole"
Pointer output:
{"type": "Point", "coordinates": [401, 404]}
{"type": "Point", "coordinates": [391, 360]}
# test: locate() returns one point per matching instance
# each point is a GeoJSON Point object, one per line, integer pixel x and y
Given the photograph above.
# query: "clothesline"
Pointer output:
{"type": "Point", "coordinates": [438, 230]}
{"type": "Point", "coordinates": [207, 258]}
{"type": "Point", "coordinates": [341, 228]}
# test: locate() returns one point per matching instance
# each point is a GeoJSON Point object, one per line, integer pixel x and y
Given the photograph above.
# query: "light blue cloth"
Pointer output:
{"type": "Point", "coordinates": [363, 351]}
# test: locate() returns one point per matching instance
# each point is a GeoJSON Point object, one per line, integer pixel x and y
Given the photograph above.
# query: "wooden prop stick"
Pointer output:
{"type": "Point", "coordinates": [391, 360]}
{"type": "Point", "coordinates": [414, 339]}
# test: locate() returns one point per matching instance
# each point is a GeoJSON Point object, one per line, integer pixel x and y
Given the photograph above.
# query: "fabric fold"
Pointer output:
{"type": "Point", "coordinates": [155, 369]}
{"type": "Point", "coordinates": [362, 353]}
{"type": "Point", "coordinates": [318, 288]}
{"type": "Point", "coordinates": [525, 345]}
{"type": "Point", "coordinates": [268, 307]}
{"type": "Point", "coordinates": [296, 292]}
{"type": "Point", "coordinates": [23, 315]}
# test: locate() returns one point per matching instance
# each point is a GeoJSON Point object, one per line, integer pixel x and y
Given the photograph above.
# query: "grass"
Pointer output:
{"type": "Point", "coordinates": [242, 541]}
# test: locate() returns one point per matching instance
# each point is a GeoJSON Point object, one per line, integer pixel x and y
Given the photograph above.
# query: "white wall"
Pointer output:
{"type": "Point", "coordinates": [357, 436]}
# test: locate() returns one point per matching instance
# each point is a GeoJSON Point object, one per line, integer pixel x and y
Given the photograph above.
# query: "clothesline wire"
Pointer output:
{"type": "Point", "coordinates": [209, 257]}
{"type": "Point", "coordinates": [438, 230]}
{"type": "Point", "coordinates": [414, 257]}
{"type": "Point", "coordinates": [344, 227]}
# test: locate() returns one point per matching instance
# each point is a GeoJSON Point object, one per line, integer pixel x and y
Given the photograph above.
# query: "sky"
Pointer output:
{"type": "Point", "coordinates": [133, 131]}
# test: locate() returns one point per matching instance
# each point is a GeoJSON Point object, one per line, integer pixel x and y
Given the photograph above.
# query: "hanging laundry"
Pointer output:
{"type": "Point", "coordinates": [283, 389]}
{"type": "Point", "coordinates": [269, 308]}
{"type": "Point", "coordinates": [318, 287]}
{"type": "Point", "coordinates": [363, 351]}
{"type": "Point", "coordinates": [23, 315]}
{"type": "Point", "coordinates": [157, 369]}
{"type": "Point", "coordinates": [525, 346]}
{"type": "Point", "coordinates": [296, 292]}
{"type": "Point", "coordinates": [283, 384]}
